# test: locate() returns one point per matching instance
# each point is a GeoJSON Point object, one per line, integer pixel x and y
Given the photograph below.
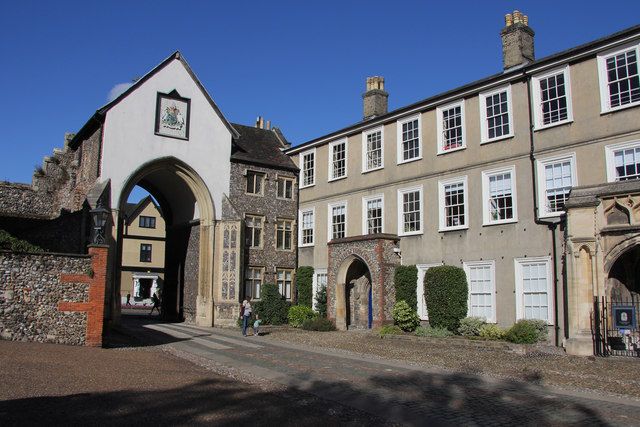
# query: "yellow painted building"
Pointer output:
{"type": "Point", "coordinates": [143, 252]}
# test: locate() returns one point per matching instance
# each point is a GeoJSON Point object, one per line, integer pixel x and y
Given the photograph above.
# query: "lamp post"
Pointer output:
{"type": "Point", "coordinates": [99, 217]}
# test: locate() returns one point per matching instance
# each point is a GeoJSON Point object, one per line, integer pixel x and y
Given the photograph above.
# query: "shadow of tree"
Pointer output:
{"type": "Point", "coordinates": [416, 398]}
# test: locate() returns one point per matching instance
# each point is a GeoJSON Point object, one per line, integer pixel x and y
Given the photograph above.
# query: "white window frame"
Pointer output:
{"type": "Point", "coordinates": [484, 136]}
{"type": "Point", "coordinates": [603, 78]}
{"type": "Point", "coordinates": [401, 193]}
{"type": "Point", "coordinates": [332, 146]}
{"type": "Point", "coordinates": [541, 179]}
{"type": "Point", "coordinates": [441, 204]}
{"type": "Point", "coordinates": [364, 149]}
{"type": "Point", "coordinates": [467, 265]}
{"type": "Point", "coordinates": [365, 216]}
{"type": "Point", "coordinates": [537, 98]}
{"type": "Point", "coordinates": [399, 142]}
{"type": "Point", "coordinates": [330, 219]}
{"type": "Point", "coordinates": [440, 127]}
{"type": "Point", "coordinates": [314, 285]}
{"type": "Point", "coordinates": [518, 263]}
{"type": "Point", "coordinates": [486, 214]}
{"type": "Point", "coordinates": [609, 152]}
{"type": "Point", "coordinates": [315, 167]}
{"type": "Point", "coordinates": [423, 313]}
{"type": "Point", "coordinates": [301, 228]}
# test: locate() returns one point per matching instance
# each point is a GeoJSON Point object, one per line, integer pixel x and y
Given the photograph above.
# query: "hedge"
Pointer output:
{"type": "Point", "coordinates": [405, 279]}
{"type": "Point", "coordinates": [445, 291]}
{"type": "Point", "coordinates": [304, 285]}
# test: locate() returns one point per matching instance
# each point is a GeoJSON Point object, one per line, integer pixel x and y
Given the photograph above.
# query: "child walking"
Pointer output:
{"type": "Point", "coordinates": [256, 326]}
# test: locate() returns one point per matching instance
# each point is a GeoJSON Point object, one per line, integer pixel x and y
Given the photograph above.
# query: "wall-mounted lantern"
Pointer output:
{"type": "Point", "coordinates": [99, 217]}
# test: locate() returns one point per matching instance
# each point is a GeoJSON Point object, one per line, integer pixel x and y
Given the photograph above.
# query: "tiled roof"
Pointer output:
{"type": "Point", "coordinates": [260, 147]}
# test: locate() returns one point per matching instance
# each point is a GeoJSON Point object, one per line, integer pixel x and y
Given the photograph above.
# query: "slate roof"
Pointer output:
{"type": "Point", "coordinates": [260, 147]}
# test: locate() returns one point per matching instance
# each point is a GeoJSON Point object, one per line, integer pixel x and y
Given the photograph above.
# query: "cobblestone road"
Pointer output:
{"type": "Point", "coordinates": [389, 389]}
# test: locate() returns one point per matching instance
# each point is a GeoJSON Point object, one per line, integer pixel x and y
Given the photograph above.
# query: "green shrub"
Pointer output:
{"type": "Point", "coordinates": [321, 301]}
{"type": "Point", "coordinates": [405, 279]}
{"type": "Point", "coordinates": [493, 332]}
{"type": "Point", "coordinates": [389, 330]}
{"type": "Point", "coordinates": [321, 324]}
{"type": "Point", "coordinates": [405, 317]}
{"type": "Point", "coordinates": [470, 326]}
{"type": "Point", "coordinates": [272, 308]}
{"type": "Point", "coordinates": [298, 314]}
{"type": "Point", "coordinates": [527, 331]}
{"type": "Point", "coordinates": [304, 285]}
{"type": "Point", "coordinates": [445, 291]}
{"type": "Point", "coordinates": [8, 242]}
{"type": "Point", "coordinates": [437, 332]}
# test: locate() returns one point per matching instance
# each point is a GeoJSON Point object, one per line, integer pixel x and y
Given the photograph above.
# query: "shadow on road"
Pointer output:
{"type": "Point", "coordinates": [417, 399]}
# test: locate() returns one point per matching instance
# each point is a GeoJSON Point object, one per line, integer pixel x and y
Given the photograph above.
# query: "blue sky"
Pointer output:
{"type": "Point", "coordinates": [301, 65]}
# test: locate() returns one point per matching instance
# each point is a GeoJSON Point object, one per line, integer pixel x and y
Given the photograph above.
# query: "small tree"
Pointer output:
{"type": "Point", "coordinates": [445, 291]}
{"type": "Point", "coordinates": [321, 302]}
{"type": "Point", "coordinates": [272, 308]}
{"type": "Point", "coordinates": [304, 285]}
{"type": "Point", "coordinates": [405, 280]}
{"type": "Point", "coordinates": [405, 317]}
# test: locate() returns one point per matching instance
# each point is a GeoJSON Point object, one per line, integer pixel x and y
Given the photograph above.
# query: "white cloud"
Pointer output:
{"type": "Point", "coordinates": [117, 90]}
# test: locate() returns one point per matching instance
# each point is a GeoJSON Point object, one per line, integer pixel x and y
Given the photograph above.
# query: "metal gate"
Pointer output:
{"type": "Point", "coordinates": [615, 328]}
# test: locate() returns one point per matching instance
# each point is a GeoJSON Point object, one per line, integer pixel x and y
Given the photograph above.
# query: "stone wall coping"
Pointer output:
{"type": "Point", "coordinates": [56, 254]}
{"type": "Point", "coordinates": [380, 236]}
{"type": "Point", "coordinates": [589, 195]}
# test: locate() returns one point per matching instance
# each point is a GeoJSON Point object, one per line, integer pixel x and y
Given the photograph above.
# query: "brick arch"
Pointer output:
{"type": "Point", "coordinates": [378, 253]}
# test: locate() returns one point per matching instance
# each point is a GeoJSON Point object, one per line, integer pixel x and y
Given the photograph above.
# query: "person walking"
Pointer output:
{"type": "Point", "coordinates": [156, 303]}
{"type": "Point", "coordinates": [128, 300]}
{"type": "Point", "coordinates": [246, 314]}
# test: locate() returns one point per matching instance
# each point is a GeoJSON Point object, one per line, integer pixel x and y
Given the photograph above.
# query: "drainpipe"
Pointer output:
{"type": "Point", "coordinates": [552, 223]}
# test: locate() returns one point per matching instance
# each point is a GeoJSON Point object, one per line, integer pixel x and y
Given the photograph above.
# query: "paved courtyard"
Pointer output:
{"type": "Point", "coordinates": [177, 374]}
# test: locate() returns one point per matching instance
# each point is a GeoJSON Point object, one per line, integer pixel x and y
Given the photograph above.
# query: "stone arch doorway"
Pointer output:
{"type": "Point", "coordinates": [189, 217]}
{"type": "Point", "coordinates": [354, 302]}
{"type": "Point", "coordinates": [623, 278]}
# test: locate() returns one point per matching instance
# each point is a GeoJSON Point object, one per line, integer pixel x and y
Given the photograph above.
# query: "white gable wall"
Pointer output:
{"type": "Point", "coordinates": [129, 140]}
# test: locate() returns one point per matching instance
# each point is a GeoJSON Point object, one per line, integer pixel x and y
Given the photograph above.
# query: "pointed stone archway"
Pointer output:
{"type": "Point", "coordinates": [189, 212]}
{"type": "Point", "coordinates": [360, 289]}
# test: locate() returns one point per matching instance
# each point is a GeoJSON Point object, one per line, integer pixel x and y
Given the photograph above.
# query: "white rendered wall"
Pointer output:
{"type": "Point", "coordinates": [129, 140]}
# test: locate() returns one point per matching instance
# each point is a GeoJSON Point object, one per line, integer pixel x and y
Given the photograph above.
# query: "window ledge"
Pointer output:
{"type": "Point", "coordinates": [307, 245]}
{"type": "Point", "coordinates": [373, 170]}
{"type": "Point", "coordinates": [410, 233]}
{"type": "Point", "coordinates": [552, 125]}
{"type": "Point", "coordinates": [457, 228]}
{"type": "Point", "coordinates": [337, 179]}
{"type": "Point", "coordinates": [415, 159]}
{"type": "Point", "coordinates": [489, 141]}
{"type": "Point", "coordinates": [451, 150]}
{"type": "Point", "coordinates": [622, 107]}
{"type": "Point", "coordinates": [509, 221]}
{"type": "Point", "coordinates": [306, 186]}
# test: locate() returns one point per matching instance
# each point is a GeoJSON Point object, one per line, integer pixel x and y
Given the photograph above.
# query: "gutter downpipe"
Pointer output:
{"type": "Point", "coordinates": [552, 224]}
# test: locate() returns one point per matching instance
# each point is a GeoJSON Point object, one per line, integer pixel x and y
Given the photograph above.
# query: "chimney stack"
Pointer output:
{"type": "Point", "coordinates": [375, 98]}
{"type": "Point", "coordinates": [260, 122]}
{"type": "Point", "coordinates": [517, 40]}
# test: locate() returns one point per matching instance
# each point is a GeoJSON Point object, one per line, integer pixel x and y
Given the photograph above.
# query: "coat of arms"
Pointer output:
{"type": "Point", "coordinates": [172, 115]}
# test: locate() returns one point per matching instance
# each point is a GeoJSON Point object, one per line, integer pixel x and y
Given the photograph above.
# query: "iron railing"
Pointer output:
{"type": "Point", "coordinates": [615, 327]}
